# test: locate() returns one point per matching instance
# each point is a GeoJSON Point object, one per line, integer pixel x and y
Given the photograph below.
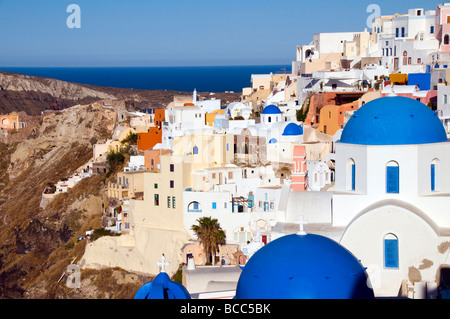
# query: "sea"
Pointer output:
{"type": "Point", "coordinates": [187, 78]}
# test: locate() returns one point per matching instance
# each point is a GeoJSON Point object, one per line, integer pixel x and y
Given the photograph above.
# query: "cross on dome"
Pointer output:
{"type": "Point", "coordinates": [163, 263]}
{"type": "Point", "coordinates": [301, 223]}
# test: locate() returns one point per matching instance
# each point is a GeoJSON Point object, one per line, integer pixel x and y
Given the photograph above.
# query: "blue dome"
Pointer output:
{"type": "Point", "coordinates": [303, 267]}
{"type": "Point", "coordinates": [162, 288]}
{"type": "Point", "coordinates": [393, 120]}
{"type": "Point", "coordinates": [293, 129]}
{"type": "Point", "coordinates": [271, 109]}
{"type": "Point", "coordinates": [273, 141]}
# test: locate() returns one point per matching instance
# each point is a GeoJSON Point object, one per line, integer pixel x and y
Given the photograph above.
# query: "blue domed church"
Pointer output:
{"type": "Point", "coordinates": [303, 266]}
{"type": "Point", "coordinates": [389, 205]}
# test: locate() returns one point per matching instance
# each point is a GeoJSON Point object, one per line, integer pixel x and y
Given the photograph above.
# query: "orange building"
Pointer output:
{"type": "Point", "coordinates": [160, 117]}
{"type": "Point", "coordinates": [10, 121]}
{"type": "Point", "coordinates": [154, 135]}
{"type": "Point", "coordinates": [332, 117]}
{"type": "Point", "coordinates": [319, 100]}
{"type": "Point", "coordinates": [149, 139]}
{"type": "Point", "coordinates": [152, 158]}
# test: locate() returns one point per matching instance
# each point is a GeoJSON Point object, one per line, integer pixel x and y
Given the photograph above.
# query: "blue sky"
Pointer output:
{"type": "Point", "coordinates": [175, 32]}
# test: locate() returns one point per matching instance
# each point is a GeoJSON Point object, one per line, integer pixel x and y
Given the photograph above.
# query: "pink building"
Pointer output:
{"type": "Point", "coordinates": [442, 26]}
{"type": "Point", "coordinates": [298, 176]}
{"type": "Point", "coordinates": [410, 91]}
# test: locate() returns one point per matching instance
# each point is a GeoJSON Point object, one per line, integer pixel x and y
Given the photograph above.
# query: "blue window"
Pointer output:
{"type": "Point", "coordinates": [228, 147]}
{"type": "Point", "coordinates": [353, 177]}
{"type": "Point", "coordinates": [214, 205]}
{"type": "Point", "coordinates": [195, 150]}
{"type": "Point", "coordinates": [403, 32]}
{"type": "Point", "coordinates": [350, 180]}
{"type": "Point", "coordinates": [432, 29]}
{"type": "Point", "coordinates": [392, 179]}
{"type": "Point", "coordinates": [171, 184]}
{"type": "Point", "coordinates": [390, 252]}
{"type": "Point", "coordinates": [433, 177]}
{"type": "Point", "coordinates": [195, 205]}
{"type": "Point", "coordinates": [397, 32]}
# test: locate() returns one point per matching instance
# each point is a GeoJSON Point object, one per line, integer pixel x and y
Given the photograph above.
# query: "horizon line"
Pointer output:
{"type": "Point", "coordinates": [150, 66]}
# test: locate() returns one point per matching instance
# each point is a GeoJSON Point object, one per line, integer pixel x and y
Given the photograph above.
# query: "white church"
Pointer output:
{"type": "Point", "coordinates": [391, 200]}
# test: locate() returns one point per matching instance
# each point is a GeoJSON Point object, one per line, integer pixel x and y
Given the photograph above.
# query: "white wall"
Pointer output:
{"type": "Point", "coordinates": [416, 239]}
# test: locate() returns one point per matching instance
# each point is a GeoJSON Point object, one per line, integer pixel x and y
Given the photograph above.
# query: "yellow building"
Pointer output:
{"type": "Point", "coordinates": [205, 150]}
{"type": "Point", "coordinates": [128, 185]}
{"type": "Point", "coordinates": [156, 220]}
{"type": "Point", "coordinates": [211, 117]}
{"type": "Point", "coordinates": [398, 78]}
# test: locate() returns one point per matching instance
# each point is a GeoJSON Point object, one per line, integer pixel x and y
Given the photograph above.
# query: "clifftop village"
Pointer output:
{"type": "Point", "coordinates": [284, 160]}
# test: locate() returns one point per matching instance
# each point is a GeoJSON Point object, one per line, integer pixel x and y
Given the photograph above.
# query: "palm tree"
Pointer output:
{"type": "Point", "coordinates": [210, 234]}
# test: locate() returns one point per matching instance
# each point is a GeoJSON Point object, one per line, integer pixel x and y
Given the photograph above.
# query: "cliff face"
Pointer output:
{"type": "Point", "coordinates": [56, 88]}
{"type": "Point", "coordinates": [37, 245]}
{"type": "Point", "coordinates": [33, 95]}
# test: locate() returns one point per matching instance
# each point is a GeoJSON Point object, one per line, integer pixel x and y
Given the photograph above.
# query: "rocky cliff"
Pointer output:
{"type": "Point", "coordinates": [37, 245]}
{"type": "Point", "coordinates": [56, 88]}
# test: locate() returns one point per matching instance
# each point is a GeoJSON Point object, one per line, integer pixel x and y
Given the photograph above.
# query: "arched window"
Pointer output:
{"type": "Point", "coordinates": [390, 251]}
{"type": "Point", "coordinates": [392, 177]}
{"type": "Point", "coordinates": [446, 39]}
{"type": "Point", "coordinates": [351, 175]}
{"type": "Point", "coordinates": [269, 119]}
{"type": "Point", "coordinates": [195, 150]}
{"type": "Point", "coordinates": [434, 167]}
{"type": "Point", "coordinates": [307, 53]}
{"type": "Point", "coordinates": [194, 207]}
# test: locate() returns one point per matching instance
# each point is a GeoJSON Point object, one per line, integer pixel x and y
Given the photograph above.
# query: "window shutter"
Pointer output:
{"type": "Point", "coordinates": [353, 177]}
{"type": "Point", "coordinates": [391, 253]}
{"type": "Point", "coordinates": [392, 175]}
{"type": "Point", "coordinates": [433, 177]}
